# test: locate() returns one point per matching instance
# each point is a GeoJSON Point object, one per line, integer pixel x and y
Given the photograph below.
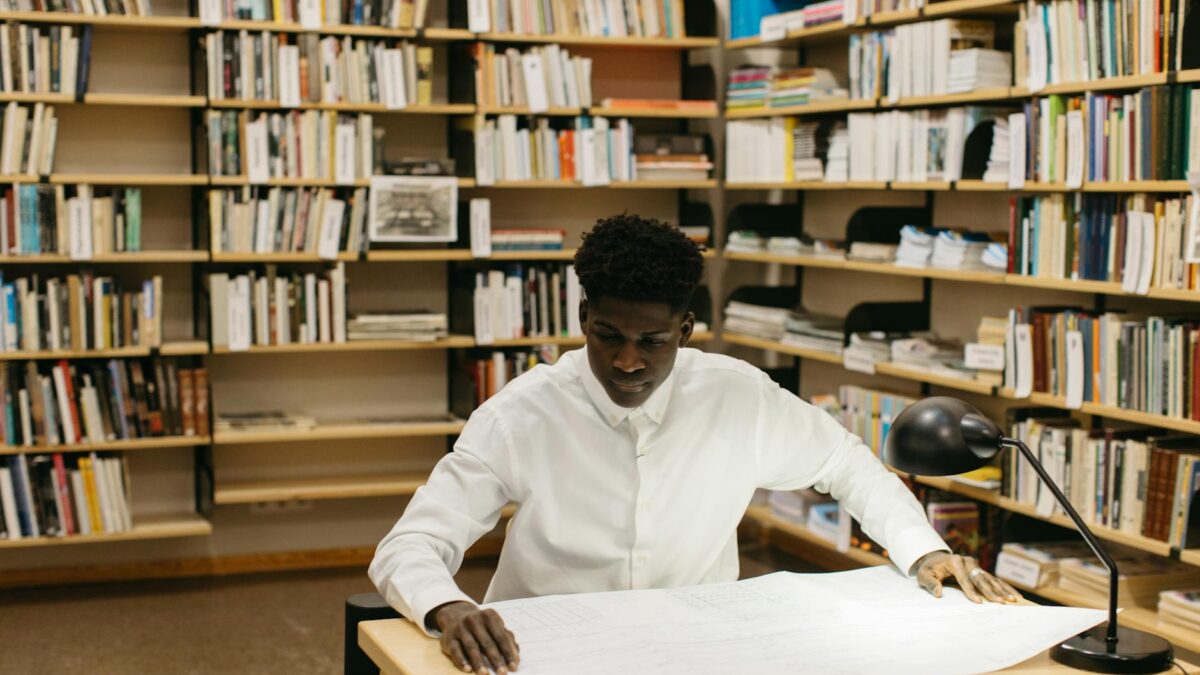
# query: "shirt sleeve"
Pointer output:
{"type": "Point", "coordinates": [802, 446]}
{"type": "Point", "coordinates": [415, 562]}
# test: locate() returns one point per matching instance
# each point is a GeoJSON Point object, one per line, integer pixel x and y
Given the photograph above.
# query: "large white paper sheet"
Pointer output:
{"type": "Point", "coordinates": [866, 621]}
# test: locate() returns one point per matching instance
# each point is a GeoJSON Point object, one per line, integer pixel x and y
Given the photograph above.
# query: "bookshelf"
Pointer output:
{"type": "Point", "coordinates": [209, 483]}
{"type": "Point", "coordinates": [952, 300]}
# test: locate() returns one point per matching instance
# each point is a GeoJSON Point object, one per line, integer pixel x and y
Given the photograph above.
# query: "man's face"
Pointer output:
{"type": "Point", "coordinates": [631, 345]}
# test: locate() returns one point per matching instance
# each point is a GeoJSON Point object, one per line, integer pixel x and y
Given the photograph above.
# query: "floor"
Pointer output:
{"type": "Point", "coordinates": [261, 624]}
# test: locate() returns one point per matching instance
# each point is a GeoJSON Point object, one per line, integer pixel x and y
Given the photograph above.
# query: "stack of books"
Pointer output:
{"type": "Point", "coordinates": [1000, 159]}
{"type": "Point", "coordinates": [957, 523]}
{"type": "Point", "coordinates": [801, 86]}
{"type": "Point", "coordinates": [959, 250]}
{"type": "Point", "coordinates": [29, 136]}
{"type": "Point", "coordinates": [768, 323]}
{"type": "Point", "coordinates": [318, 221]}
{"type": "Point", "coordinates": [260, 146]}
{"type": "Point", "coordinates": [837, 159]}
{"type": "Point", "coordinates": [992, 331]}
{"type": "Point", "coordinates": [667, 157]}
{"type": "Point", "coordinates": [916, 245]}
{"type": "Point", "coordinates": [277, 309]}
{"type": "Point", "coordinates": [938, 355]}
{"type": "Point", "coordinates": [261, 421]}
{"type": "Point", "coordinates": [745, 241]}
{"type": "Point", "coordinates": [868, 413]}
{"type": "Point", "coordinates": [1180, 609]}
{"type": "Point", "coordinates": [538, 79]}
{"type": "Point", "coordinates": [871, 251]}
{"type": "Point", "coordinates": [1035, 564]}
{"type": "Point", "coordinates": [593, 151]}
{"type": "Point", "coordinates": [64, 496]}
{"type": "Point", "coordinates": [79, 312]}
{"type": "Point", "coordinates": [973, 69]}
{"type": "Point", "coordinates": [814, 331]}
{"type": "Point", "coordinates": [66, 403]}
{"type": "Point", "coordinates": [870, 347]}
{"type": "Point", "coordinates": [749, 87]}
{"type": "Point", "coordinates": [1143, 576]}
{"type": "Point", "coordinates": [44, 59]}
{"type": "Point", "coordinates": [407, 326]}
{"type": "Point", "coordinates": [826, 11]}
{"type": "Point", "coordinates": [913, 59]}
{"type": "Point", "coordinates": [810, 145]}
{"type": "Point", "coordinates": [531, 239]}
{"type": "Point", "coordinates": [526, 301]}
{"type": "Point", "coordinates": [75, 220]}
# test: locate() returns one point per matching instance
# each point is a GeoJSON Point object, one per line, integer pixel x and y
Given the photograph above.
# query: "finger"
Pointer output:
{"type": "Point", "coordinates": [930, 583]}
{"type": "Point", "coordinates": [1013, 594]}
{"type": "Point", "coordinates": [454, 650]}
{"type": "Point", "coordinates": [982, 581]}
{"type": "Point", "coordinates": [487, 645]}
{"type": "Point", "coordinates": [474, 655]}
{"type": "Point", "coordinates": [964, 581]}
{"type": "Point", "coordinates": [505, 640]}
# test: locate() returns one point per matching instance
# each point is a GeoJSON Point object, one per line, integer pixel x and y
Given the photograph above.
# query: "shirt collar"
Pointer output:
{"type": "Point", "coordinates": [655, 407]}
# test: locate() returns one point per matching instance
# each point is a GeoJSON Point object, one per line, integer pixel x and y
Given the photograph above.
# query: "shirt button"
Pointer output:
{"type": "Point", "coordinates": [640, 559]}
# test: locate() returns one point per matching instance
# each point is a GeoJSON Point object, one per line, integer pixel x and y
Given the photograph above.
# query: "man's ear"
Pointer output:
{"type": "Point", "coordinates": [685, 330]}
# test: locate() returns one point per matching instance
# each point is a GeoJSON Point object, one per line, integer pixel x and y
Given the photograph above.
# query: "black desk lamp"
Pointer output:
{"type": "Point", "coordinates": [941, 436]}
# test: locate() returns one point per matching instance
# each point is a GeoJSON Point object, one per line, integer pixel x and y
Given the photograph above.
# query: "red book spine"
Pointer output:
{"type": "Point", "coordinates": [72, 402]}
{"type": "Point", "coordinates": [64, 495]}
{"type": "Point", "coordinates": [1012, 235]}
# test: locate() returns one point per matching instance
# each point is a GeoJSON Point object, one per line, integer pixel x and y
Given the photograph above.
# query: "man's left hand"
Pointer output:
{"type": "Point", "coordinates": [975, 583]}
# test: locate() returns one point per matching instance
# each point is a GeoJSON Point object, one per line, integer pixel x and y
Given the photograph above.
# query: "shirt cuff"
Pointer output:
{"type": "Point", "coordinates": [430, 599]}
{"type": "Point", "coordinates": [911, 545]}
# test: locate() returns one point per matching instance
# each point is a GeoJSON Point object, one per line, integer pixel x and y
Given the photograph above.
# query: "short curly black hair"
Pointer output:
{"type": "Point", "coordinates": [634, 258]}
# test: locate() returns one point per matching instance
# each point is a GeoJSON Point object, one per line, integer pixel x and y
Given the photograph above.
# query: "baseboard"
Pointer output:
{"type": "Point", "coordinates": [214, 566]}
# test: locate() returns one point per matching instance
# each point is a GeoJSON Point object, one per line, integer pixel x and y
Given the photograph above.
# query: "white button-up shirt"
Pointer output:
{"type": "Point", "coordinates": [611, 498]}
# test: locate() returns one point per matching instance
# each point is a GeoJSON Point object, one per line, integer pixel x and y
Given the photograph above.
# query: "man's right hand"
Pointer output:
{"type": "Point", "coordinates": [475, 639]}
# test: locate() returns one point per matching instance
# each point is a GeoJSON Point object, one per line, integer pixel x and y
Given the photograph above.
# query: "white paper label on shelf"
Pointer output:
{"type": "Point", "coordinates": [1074, 369]}
{"type": "Point", "coordinates": [984, 357]}
{"type": "Point", "coordinates": [1035, 37]}
{"type": "Point", "coordinates": [535, 83]}
{"type": "Point", "coordinates": [1024, 384]}
{"type": "Point", "coordinates": [1019, 569]}
{"type": "Point", "coordinates": [772, 27]}
{"type": "Point", "coordinates": [1075, 149]}
{"type": "Point", "coordinates": [478, 18]}
{"type": "Point", "coordinates": [331, 229]}
{"type": "Point", "coordinates": [859, 361]}
{"type": "Point", "coordinates": [210, 12]}
{"type": "Point", "coordinates": [344, 143]}
{"type": "Point", "coordinates": [1147, 267]}
{"type": "Point", "coordinates": [289, 76]}
{"type": "Point", "coordinates": [1192, 254]}
{"type": "Point", "coordinates": [257, 153]}
{"type": "Point", "coordinates": [481, 228]}
{"type": "Point", "coordinates": [1016, 151]}
{"type": "Point", "coordinates": [310, 14]}
{"type": "Point", "coordinates": [794, 22]}
{"type": "Point", "coordinates": [850, 12]}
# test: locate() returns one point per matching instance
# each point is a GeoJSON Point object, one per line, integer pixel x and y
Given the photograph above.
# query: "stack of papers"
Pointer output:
{"type": "Point", "coordinates": [972, 69]}
{"type": "Point", "coordinates": [837, 159]}
{"type": "Point", "coordinates": [916, 246]}
{"type": "Point", "coordinates": [959, 250]}
{"type": "Point", "coordinates": [1000, 157]}
{"type": "Point", "coordinates": [786, 245]}
{"type": "Point", "coordinates": [872, 347]}
{"type": "Point", "coordinates": [800, 86]}
{"type": "Point", "coordinates": [810, 144]}
{"type": "Point", "coordinates": [813, 331]}
{"type": "Point", "coordinates": [756, 320]}
{"type": "Point", "coordinates": [995, 256]}
{"type": "Point", "coordinates": [749, 87]}
{"type": "Point", "coordinates": [940, 356]}
{"type": "Point", "coordinates": [412, 326]}
{"type": "Point", "coordinates": [744, 241]}
{"type": "Point", "coordinates": [870, 251]}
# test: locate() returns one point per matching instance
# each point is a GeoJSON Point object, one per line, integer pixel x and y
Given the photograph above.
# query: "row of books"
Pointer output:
{"type": "Point", "coordinates": [929, 58]}
{"type": "Point", "coordinates": [1134, 481]}
{"type": "Point", "coordinates": [595, 18]}
{"type": "Point", "coordinates": [593, 151]}
{"type": "Point", "coordinates": [799, 329]}
{"type": "Point", "coordinates": [1149, 134]}
{"type": "Point", "coordinates": [79, 312]}
{"type": "Point", "coordinates": [1145, 364]}
{"type": "Point", "coordinates": [868, 413]}
{"type": "Point", "coordinates": [489, 375]}
{"type": "Point", "coordinates": [405, 14]}
{"type": "Point", "coordinates": [44, 59]}
{"type": "Point", "coordinates": [752, 86]}
{"type": "Point", "coordinates": [1083, 40]}
{"type": "Point", "coordinates": [86, 7]}
{"type": "Point", "coordinates": [64, 496]}
{"type": "Point", "coordinates": [265, 66]}
{"type": "Point", "coordinates": [538, 78]}
{"type": "Point", "coordinates": [84, 402]}
{"type": "Point", "coordinates": [29, 135]}
{"type": "Point", "coordinates": [528, 239]}
{"type": "Point", "coordinates": [76, 220]}
{"type": "Point", "coordinates": [277, 309]}
{"type": "Point", "coordinates": [318, 221]}
{"type": "Point", "coordinates": [1138, 241]}
{"type": "Point", "coordinates": [407, 326]}
{"type": "Point", "coordinates": [526, 301]}
{"type": "Point", "coordinates": [950, 249]}
{"type": "Point", "coordinates": [297, 144]}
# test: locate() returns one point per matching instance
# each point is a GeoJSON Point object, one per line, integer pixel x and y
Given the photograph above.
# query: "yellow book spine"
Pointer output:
{"type": "Point", "coordinates": [93, 501]}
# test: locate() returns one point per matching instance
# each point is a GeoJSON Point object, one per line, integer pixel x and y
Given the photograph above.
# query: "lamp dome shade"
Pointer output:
{"type": "Point", "coordinates": [941, 436]}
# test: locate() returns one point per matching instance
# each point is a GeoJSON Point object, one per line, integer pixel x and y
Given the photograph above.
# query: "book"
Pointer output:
{"type": "Point", "coordinates": [278, 309]}
{"type": "Point", "coordinates": [81, 312]}
{"type": "Point", "coordinates": [59, 495]}
{"type": "Point", "coordinates": [343, 156]}
{"type": "Point", "coordinates": [525, 300]}
{"type": "Point", "coordinates": [288, 220]}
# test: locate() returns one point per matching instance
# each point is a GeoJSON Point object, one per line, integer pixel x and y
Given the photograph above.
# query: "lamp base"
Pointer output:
{"type": "Point", "coordinates": [1134, 652]}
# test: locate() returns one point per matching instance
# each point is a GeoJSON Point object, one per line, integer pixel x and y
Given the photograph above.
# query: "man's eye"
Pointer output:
{"type": "Point", "coordinates": [655, 342]}
{"type": "Point", "coordinates": [609, 337]}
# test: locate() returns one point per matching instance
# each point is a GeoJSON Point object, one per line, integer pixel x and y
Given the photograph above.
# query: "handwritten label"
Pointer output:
{"type": "Point", "coordinates": [984, 357]}
{"type": "Point", "coordinates": [859, 361]}
{"type": "Point", "coordinates": [773, 27]}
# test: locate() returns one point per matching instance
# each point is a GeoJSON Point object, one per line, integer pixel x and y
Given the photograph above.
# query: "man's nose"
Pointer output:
{"type": "Point", "coordinates": [628, 360]}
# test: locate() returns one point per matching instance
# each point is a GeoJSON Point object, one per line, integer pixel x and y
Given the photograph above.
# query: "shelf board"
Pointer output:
{"type": "Point", "coordinates": [874, 268]}
{"type": "Point", "coordinates": [327, 432]}
{"type": "Point", "coordinates": [331, 487]}
{"type": "Point", "coordinates": [419, 255]}
{"type": "Point", "coordinates": [167, 349]}
{"type": "Point", "coordinates": [768, 520]}
{"type": "Point", "coordinates": [1190, 556]}
{"type": "Point", "coordinates": [326, 29]}
{"type": "Point", "coordinates": [148, 100]}
{"type": "Point", "coordinates": [627, 185]}
{"type": "Point", "coordinates": [1105, 84]}
{"type": "Point", "coordinates": [928, 377]}
{"type": "Point", "coordinates": [814, 108]}
{"type": "Point", "coordinates": [1141, 618]}
{"type": "Point", "coordinates": [809, 185]}
{"type": "Point", "coordinates": [1192, 75]}
{"type": "Point", "coordinates": [244, 181]}
{"type": "Point", "coordinates": [771, 345]}
{"type": "Point", "coordinates": [35, 97]}
{"type": "Point", "coordinates": [648, 113]}
{"type": "Point", "coordinates": [953, 7]}
{"type": "Point", "coordinates": [145, 179]}
{"type": "Point", "coordinates": [106, 258]}
{"type": "Point", "coordinates": [511, 110]}
{"type": "Point", "coordinates": [289, 257]}
{"type": "Point", "coordinates": [376, 108]}
{"type": "Point", "coordinates": [937, 186]}
{"type": "Point", "coordinates": [831, 30]}
{"type": "Point", "coordinates": [119, 21]}
{"type": "Point", "coordinates": [144, 527]}
{"type": "Point", "coordinates": [599, 41]}
{"type": "Point", "coordinates": [1137, 186]}
{"type": "Point", "coordinates": [153, 443]}
{"type": "Point", "coordinates": [454, 341]}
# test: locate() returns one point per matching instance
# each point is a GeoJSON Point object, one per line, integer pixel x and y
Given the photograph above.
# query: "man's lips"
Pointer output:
{"type": "Point", "coordinates": [631, 387]}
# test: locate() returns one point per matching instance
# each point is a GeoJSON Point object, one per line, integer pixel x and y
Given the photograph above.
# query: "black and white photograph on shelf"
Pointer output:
{"type": "Point", "coordinates": [412, 209]}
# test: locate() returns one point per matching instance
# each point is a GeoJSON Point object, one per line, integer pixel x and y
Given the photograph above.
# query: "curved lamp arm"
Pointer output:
{"type": "Point", "coordinates": [1092, 542]}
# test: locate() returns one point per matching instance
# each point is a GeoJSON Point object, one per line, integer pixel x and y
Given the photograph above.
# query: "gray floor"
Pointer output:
{"type": "Point", "coordinates": [261, 624]}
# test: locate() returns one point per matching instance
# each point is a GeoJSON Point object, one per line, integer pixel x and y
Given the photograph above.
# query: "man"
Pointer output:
{"type": "Point", "coordinates": [631, 463]}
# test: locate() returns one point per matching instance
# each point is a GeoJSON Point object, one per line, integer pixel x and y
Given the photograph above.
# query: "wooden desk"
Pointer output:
{"type": "Point", "coordinates": [399, 648]}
